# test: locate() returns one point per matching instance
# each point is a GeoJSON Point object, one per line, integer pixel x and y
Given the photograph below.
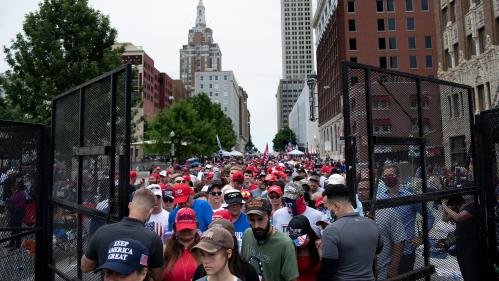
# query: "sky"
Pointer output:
{"type": "Point", "coordinates": [247, 31]}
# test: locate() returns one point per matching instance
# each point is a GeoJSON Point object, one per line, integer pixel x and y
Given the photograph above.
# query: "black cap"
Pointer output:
{"type": "Point", "coordinates": [299, 226]}
{"type": "Point", "coordinates": [232, 197]}
{"type": "Point", "coordinates": [215, 183]}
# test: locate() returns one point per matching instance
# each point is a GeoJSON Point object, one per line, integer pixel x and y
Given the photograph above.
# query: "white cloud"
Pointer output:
{"type": "Point", "coordinates": [248, 33]}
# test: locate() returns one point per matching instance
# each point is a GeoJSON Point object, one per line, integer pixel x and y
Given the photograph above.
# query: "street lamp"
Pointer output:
{"type": "Point", "coordinates": [311, 80]}
{"type": "Point", "coordinates": [172, 151]}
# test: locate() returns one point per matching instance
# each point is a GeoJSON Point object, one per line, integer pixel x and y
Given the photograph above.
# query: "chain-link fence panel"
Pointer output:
{"type": "Point", "coordinates": [91, 124]}
{"type": "Point", "coordinates": [401, 144]}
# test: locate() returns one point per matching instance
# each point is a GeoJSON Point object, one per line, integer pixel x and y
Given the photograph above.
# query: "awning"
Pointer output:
{"type": "Point", "coordinates": [382, 122]}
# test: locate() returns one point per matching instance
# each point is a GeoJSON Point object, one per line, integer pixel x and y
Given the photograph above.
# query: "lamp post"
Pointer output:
{"type": "Point", "coordinates": [311, 80]}
{"type": "Point", "coordinates": [172, 149]}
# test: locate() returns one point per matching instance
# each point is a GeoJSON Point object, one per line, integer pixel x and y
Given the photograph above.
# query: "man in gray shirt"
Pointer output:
{"type": "Point", "coordinates": [350, 243]}
{"type": "Point", "coordinates": [393, 235]}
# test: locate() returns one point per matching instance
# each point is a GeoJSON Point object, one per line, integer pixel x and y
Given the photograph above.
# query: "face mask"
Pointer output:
{"type": "Point", "coordinates": [390, 181]}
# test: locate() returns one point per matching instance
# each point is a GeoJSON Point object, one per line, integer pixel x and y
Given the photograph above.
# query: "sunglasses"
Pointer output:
{"type": "Point", "coordinates": [182, 181]}
{"type": "Point", "coordinates": [216, 193]}
{"type": "Point", "coordinates": [273, 197]}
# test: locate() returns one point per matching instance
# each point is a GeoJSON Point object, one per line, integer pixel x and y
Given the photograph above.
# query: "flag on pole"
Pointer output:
{"type": "Point", "coordinates": [219, 147]}
{"type": "Point", "coordinates": [265, 153]}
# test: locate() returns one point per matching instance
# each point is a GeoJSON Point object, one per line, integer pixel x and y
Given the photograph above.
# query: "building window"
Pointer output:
{"type": "Point", "coordinates": [216, 77]}
{"type": "Point", "coordinates": [424, 5]}
{"type": "Point", "coordinates": [353, 44]}
{"type": "Point", "coordinates": [382, 62]}
{"type": "Point", "coordinates": [412, 43]}
{"type": "Point", "coordinates": [211, 77]}
{"type": "Point", "coordinates": [382, 129]}
{"type": "Point", "coordinates": [353, 59]}
{"type": "Point", "coordinates": [201, 86]}
{"type": "Point", "coordinates": [381, 104]}
{"type": "Point", "coordinates": [414, 102]}
{"type": "Point", "coordinates": [379, 6]}
{"type": "Point", "coordinates": [225, 77]}
{"type": "Point", "coordinates": [458, 150]}
{"type": "Point", "coordinates": [392, 43]}
{"type": "Point", "coordinates": [481, 39]}
{"type": "Point", "coordinates": [390, 6]}
{"type": "Point", "coordinates": [394, 62]}
{"type": "Point", "coordinates": [427, 42]}
{"type": "Point", "coordinates": [351, 25]}
{"type": "Point", "coordinates": [409, 5]}
{"type": "Point", "coordinates": [391, 24]}
{"type": "Point", "coordinates": [381, 24]}
{"type": "Point", "coordinates": [429, 61]}
{"type": "Point", "coordinates": [413, 62]}
{"type": "Point", "coordinates": [411, 26]}
{"type": "Point", "coordinates": [351, 6]}
{"type": "Point", "coordinates": [381, 43]}
{"type": "Point", "coordinates": [211, 86]}
{"type": "Point", "coordinates": [201, 77]}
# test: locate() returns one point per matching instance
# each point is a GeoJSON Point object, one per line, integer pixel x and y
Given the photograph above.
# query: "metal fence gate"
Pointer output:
{"type": "Point", "coordinates": [23, 170]}
{"type": "Point", "coordinates": [91, 139]}
{"type": "Point", "coordinates": [408, 146]}
{"type": "Point", "coordinates": [487, 138]}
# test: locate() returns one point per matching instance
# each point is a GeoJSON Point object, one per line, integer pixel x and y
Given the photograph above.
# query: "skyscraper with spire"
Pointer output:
{"type": "Point", "coordinates": [200, 53]}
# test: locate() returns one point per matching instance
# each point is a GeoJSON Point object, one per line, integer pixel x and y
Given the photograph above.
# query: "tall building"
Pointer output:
{"type": "Point", "coordinates": [306, 131]}
{"type": "Point", "coordinates": [200, 53]}
{"type": "Point", "coordinates": [288, 92]}
{"type": "Point", "coordinates": [223, 89]}
{"type": "Point", "coordinates": [468, 51]}
{"type": "Point", "coordinates": [297, 54]}
{"type": "Point", "coordinates": [393, 34]}
{"type": "Point", "coordinates": [179, 91]}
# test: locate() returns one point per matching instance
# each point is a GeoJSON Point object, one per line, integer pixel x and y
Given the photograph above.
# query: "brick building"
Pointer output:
{"type": "Point", "coordinates": [393, 34]}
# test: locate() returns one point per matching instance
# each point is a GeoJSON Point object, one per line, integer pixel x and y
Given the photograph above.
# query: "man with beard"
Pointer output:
{"type": "Point", "coordinates": [264, 244]}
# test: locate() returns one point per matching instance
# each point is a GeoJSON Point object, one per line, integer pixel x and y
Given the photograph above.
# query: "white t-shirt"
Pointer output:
{"type": "Point", "coordinates": [282, 217]}
{"type": "Point", "coordinates": [158, 223]}
{"type": "Point", "coordinates": [219, 209]}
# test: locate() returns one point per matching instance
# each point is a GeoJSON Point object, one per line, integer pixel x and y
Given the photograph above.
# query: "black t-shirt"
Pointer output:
{"type": "Point", "coordinates": [468, 230]}
{"type": "Point", "coordinates": [130, 229]}
{"type": "Point", "coordinates": [247, 270]}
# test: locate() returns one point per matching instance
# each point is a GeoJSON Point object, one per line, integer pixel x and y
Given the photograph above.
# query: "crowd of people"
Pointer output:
{"type": "Point", "coordinates": [266, 220]}
{"type": "Point", "coordinates": [278, 220]}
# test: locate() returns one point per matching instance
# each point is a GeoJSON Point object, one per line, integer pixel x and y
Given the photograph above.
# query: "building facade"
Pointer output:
{"type": "Point", "coordinates": [179, 91]}
{"type": "Point", "coordinates": [297, 54]}
{"type": "Point", "coordinates": [287, 94]}
{"type": "Point", "coordinates": [222, 88]}
{"type": "Point", "coordinates": [468, 51]}
{"type": "Point", "coordinates": [201, 53]}
{"type": "Point", "coordinates": [306, 131]}
{"type": "Point", "coordinates": [392, 34]}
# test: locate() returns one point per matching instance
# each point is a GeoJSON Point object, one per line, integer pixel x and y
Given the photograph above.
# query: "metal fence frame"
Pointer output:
{"type": "Point", "coordinates": [41, 178]}
{"type": "Point", "coordinates": [80, 151]}
{"type": "Point", "coordinates": [351, 146]}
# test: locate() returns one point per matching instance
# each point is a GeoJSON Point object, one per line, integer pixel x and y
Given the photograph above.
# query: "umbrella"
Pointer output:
{"type": "Point", "coordinates": [295, 152]}
{"type": "Point", "coordinates": [236, 153]}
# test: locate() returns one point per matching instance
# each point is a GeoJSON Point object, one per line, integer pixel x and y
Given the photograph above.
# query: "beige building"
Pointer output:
{"type": "Point", "coordinates": [297, 55]}
{"type": "Point", "coordinates": [201, 53]}
{"type": "Point", "coordinates": [468, 39]}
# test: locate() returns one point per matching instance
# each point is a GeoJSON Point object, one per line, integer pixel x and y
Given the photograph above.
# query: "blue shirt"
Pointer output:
{"type": "Point", "coordinates": [203, 215]}
{"type": "Point", "coordinates": [240, 225]}
{"type": "Point", "coordinates": [407, 215]}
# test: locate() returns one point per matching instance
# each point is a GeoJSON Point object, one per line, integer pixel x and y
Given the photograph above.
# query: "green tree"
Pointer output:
{"type": "Point", "coordinates": [196, 122]}
{"type": "Point", "coordinates": [250, 147]}
{"type": "Point", "coordinates": [282, 138]}
{"type": "Point", "coordinates": [64, 44]}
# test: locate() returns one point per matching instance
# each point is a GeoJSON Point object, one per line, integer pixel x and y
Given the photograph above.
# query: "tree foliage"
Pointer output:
{"type": "Point", "coordinates": [250, 147]}
{"type": "Point", "coordinates": [195, 122]}
{"type": "Point", "coordinates": [64, 44]}
{"type": "Point", "coordinates": [282, 138]}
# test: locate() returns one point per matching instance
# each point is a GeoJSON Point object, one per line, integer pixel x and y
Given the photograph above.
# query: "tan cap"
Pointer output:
{"type": "Point", "coordinates": [214, 239]}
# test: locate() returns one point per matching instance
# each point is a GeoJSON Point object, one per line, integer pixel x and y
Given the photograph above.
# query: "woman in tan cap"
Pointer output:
{"type": "Point", "coordinates": [216, 246]}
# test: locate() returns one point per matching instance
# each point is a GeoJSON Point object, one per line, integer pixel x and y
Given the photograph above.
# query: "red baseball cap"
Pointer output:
{"type": "Point", "coordinates": [275, 188]}
{"type": "Point", "coordinates": [221, 214]}
{"type": "Point", "coordinates": [270, 178]}
{"type": "Point", "coordinates": [185, 219]}
{"type": "Point", "coordinates": [181, 193]}
{"type": "Point", "coordinates": [210, 175]}
{"type": "Point", "coordinates": [155, 175]}
{"type": "Point", "coordinates": [237, 175]}
{"type": "Point", "coordinates": [187, 178]}
{"type": "Point", "coordinates": [133, 174]}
